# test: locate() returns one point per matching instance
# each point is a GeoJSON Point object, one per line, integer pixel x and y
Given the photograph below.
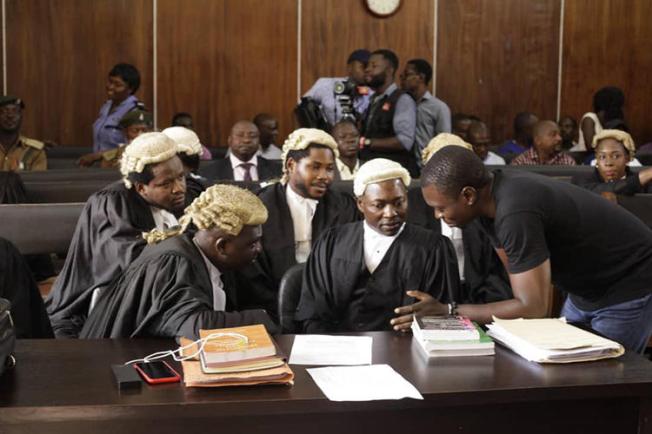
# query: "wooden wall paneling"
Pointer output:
{"type": "Point", "coordinates": [59, 53]}
{"type": "Point", "coordinates": [496, 58]}
{"type": "Point", "coordinates": [609, 43]}
{"type": "Point", "coordinates": [227, 60]}
{"type": "Point", "coordinates": [332, 29]}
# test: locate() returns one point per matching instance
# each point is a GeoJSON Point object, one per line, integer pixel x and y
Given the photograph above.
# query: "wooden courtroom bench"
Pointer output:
{"type": "Point", "coordinates": [40, 228]}
{"type": "Point", "coordinates": [63, 191]}
{"type": "Point", "coordinates": [56, 175]}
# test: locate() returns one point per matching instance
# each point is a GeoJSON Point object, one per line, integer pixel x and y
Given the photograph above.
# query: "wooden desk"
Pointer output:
{"type": "Point", "coordinates": [67, 387]}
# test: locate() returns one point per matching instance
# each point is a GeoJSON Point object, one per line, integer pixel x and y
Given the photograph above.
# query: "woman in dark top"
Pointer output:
{"type": "Point", "coordinates": [613, 150]}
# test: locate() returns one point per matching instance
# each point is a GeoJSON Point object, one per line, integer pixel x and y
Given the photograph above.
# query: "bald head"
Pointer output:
{"type": "Point", "coordinates": [452, 168]}
{"type": "Point", "coordinates": [546, 136]}
{"type": "Point", "coordinates": [478, 136]}
{"type": "Point", "coordinates": [244, 140]}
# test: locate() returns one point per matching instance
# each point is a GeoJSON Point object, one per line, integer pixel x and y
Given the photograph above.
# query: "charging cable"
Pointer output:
{"type": "Point", "coordinates": [178, 356]}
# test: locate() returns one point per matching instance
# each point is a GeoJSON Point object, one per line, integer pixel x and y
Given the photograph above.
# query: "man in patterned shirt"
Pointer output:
{"type": "Point", "coordinates": [546, 149]}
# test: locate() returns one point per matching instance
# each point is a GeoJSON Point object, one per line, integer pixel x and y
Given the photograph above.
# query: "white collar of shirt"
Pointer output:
{"type": "Point", "coordinates": [376, 246]}
{"type": "Point", "coordinates": [239, 171]}
{"type": "Point", "coordinates": [302, 211]}
{"type": "Point", "coordinates": [235, 161]}
{"type": "Point", "coordinates": [219, 296]}
{"type": "Point", "coordinates": [455, 235]}
{"type": "Point", "coordinates": [425, 96]}
{"type": "Point", "coordinates": [346, 173]}
{"type": "Point", "coordinates": [163, 219]}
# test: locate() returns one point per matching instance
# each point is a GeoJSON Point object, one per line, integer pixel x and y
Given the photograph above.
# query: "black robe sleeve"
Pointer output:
{"type": "Point", "coordinates": [316, 305]}
{"type": "Point", "coordinates": [166, 295]}
{"type": "Point", "coordinates": [108, 237]}
{"type": "Point", "coordinates": [18, 286]}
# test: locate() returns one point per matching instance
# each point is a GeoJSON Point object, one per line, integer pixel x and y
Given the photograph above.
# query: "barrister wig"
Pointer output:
{"type": "Point", "coordinates": [226, 207]}
{"type": "Point", "coordinates": [441, 140]}
{"type": "Point", "coordinates": [187, 140]}
{"type": "Point", "coordinates": [378, 170]}
{"type": "Point", "coordinates": [148, 148]}
{"type": "Point", "coordinates": [621, 136]}
{"type": "Point", "coordinates": [301, 139]}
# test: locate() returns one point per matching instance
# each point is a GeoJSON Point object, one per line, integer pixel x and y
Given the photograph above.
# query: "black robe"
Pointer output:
{"type": "Point", "coordinates": [166, 292]}
{"type": "Point", "coordinates": [18, 286]}
{"type": "Point", "coordinates": [278, 254]}
{"type": "Point", "coordinates": [485, 278]}
{"type": "Point", "coordinates": [108, 238]}
{"type": "Point", "coordinates": [628, 186]}
{"type": "Point", "coordinates": [340, 295]}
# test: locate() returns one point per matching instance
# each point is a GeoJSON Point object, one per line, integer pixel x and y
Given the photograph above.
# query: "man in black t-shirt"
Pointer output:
{"type": "Point", "coordinates": [546, 232]}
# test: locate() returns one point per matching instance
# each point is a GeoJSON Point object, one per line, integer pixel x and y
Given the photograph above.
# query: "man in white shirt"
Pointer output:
{"type": "Point", "coordinates": [480, 138]}
{"type": "Point", "coordinates": [242, 162]}
{"type": "Point", "coordinates": [347, 136]}
{"type": "Point", "coordinates": [301, 207]}
{"type": "Point", "coordinates": [357, 273]}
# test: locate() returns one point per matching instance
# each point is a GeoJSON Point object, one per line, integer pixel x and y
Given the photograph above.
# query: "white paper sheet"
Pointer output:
{"type": "Point", "coordinates": [363, 383]}
{"type": "Point", "coordinates": [331, 350]}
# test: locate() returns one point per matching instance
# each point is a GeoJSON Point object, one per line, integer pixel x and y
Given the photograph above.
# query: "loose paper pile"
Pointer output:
{"type": "Point", "coordinates": [551, 340]}
{"type": "Point", "coordinates": [363, 383]}
{"type": "Point", "coordinates": [349, 383]}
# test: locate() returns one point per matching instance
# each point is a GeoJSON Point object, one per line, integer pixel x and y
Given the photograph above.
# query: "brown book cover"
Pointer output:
{"type": "Point", "coordinates": [193, 376]}
{"type": "Point", "coordinates": [234, 348]}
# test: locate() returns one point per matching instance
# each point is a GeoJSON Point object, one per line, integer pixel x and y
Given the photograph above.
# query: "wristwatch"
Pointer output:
{"type": "Point", "coordinates": [452, 308]}
{"type": "Point", "coordinates": [364, 143]}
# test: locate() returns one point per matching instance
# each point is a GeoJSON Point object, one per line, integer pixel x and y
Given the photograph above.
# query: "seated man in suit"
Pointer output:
{"type": "Point", "coordinates": [183, 282]}
{"type": "Point", "coordinates": [108, 234]}
{"type": "Point", "coordinates": [242, 163]}
{"type": "Point", "coordinates": [357, 273]}
{"type": "Point", "coordinates": [483, 277]}
{"type": "Point", "coordinates": [301, 207]}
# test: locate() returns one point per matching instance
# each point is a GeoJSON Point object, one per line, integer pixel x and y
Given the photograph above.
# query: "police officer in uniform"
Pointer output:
{"type": "Point", "coordinates": [17, 152]}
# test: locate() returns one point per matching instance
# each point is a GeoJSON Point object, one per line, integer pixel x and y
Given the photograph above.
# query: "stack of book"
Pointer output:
{"type": "Point", "coordinates": [450, 336]}
{"type": "Point", "coordinates": [551, 340]}
{"type": "Point", "coordinates": [238, 356]}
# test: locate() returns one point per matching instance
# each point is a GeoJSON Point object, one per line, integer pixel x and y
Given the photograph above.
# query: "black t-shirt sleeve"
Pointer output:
{"type": "Point", "coordinates": [522, 236]}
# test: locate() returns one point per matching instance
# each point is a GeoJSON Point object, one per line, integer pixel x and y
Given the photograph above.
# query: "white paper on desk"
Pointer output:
{"type": "Point", "coordinates": [363, 383]}
{"type": "Point", "coordinates": [331, 350]}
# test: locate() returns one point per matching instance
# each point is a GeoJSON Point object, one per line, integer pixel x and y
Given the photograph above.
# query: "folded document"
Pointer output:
{"type": "Point", "coordinates": [552, 340]}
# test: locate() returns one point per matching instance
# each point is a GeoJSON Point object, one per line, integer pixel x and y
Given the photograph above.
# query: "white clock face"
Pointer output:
{"type": "Point", "coordinates": [383, 7]}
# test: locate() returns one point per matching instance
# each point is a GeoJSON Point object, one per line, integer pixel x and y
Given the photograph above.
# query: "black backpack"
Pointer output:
{"type": "Point", "coordinates": [7, 336]}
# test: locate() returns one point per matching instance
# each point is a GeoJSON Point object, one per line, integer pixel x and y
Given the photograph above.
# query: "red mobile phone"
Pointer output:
{"type": "Point", "coordinates": [157, 372]}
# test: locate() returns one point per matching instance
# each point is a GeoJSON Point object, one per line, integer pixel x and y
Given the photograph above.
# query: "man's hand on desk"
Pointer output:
{"type": "Point", "coordinates": [427, 305]}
